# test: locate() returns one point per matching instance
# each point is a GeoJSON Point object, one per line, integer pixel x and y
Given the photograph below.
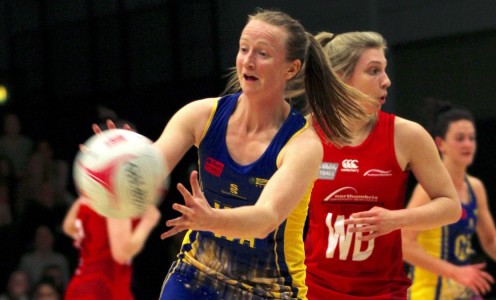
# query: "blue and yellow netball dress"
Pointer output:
{"type": "Point", "coordinates": [453, 244]}
{"type": "Point", "coordinates": [223, 267]}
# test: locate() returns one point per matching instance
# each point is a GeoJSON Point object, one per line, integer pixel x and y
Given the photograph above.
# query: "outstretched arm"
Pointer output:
{"type": "Point", "coordinates": [279, 197]}
{"type": "Point", "coordinates": [182, 131]}
{"type": "Point", "coordinates": [486, 230]}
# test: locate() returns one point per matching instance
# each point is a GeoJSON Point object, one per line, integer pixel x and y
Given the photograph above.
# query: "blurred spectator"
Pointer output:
{"type": "Point", "coordinates": [42, 209]}
{"type": "Point", "coordinates": [42, 256]}
{"type": "Point", "coordinates": [10, 250]}
{"type": "Point", "coordinates": [6, 234]}
{"type": "Point", "coordinates": [17, 287]}
{"type": "Point", "coordinates": [44, 167]}
{"type": "Point", "coordinates": [5, 209]}
{"type": "Point", "coordinates": [55, 273]}
{"type": "Point", "coordinates": [14, 145]}
{"type": "Point", "coordinates": [8, 178]}
{"type": "Point", "coordinates": [46, 290]}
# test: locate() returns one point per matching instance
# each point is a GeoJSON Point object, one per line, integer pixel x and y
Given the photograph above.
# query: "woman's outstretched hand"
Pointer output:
{"type": "Point", "coordinates": [110, 125]}
{"type": "Point", "coordinates": [197, 214]}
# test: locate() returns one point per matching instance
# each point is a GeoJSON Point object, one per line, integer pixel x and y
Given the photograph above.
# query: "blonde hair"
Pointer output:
{"type": "Point", "coordinates": [344, 50]}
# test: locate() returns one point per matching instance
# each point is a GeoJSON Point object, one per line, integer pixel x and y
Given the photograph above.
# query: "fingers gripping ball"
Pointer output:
{"type": "Point", "coordinates": [120, 172]}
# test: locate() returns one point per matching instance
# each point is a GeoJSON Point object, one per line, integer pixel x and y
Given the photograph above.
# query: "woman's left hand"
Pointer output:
{"type": "Point", "coordinates": [376, 222]}
{"type": "Point", "coordinates": [196, 213]}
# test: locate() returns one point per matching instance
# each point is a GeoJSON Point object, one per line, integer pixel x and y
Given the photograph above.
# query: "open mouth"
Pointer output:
{"type": "Point", "coordinates": [250, 78]}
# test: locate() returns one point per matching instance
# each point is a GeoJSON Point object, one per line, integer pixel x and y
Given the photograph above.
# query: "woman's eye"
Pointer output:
{"type": "Point", "coordinates": [243, 49]}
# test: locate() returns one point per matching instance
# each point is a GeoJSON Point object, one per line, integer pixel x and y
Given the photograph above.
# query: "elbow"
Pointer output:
{"type": "Point", "coordinates": [269, 225]}
{"type": "Point", "coordinates": [70, 228]}
{"type": "Point", "coordinates": [456, 211]}
{"type": "Point", "coordinates": [122, 257]}
{"type": "Point", "coordinates": [488, 245]}
{"type": "Point", "coordinates": [66, 229]}
{"type": "Point", "coordinates": [262, 233]}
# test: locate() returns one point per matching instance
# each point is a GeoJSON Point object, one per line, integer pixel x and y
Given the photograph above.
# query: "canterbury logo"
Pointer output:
{"type": "Point", "coordinates": [350, 163]}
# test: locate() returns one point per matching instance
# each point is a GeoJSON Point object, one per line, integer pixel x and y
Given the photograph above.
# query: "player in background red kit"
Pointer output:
{"type": "Point", "coordinates": [106, 249]}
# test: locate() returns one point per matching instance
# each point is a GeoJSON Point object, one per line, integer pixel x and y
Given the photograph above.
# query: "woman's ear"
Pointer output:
{"type": "Point", "coordinates": [293, 69]}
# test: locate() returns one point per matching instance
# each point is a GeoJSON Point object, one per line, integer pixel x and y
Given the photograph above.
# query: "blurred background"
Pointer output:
{"type": "Point", "coordinates": [65, 64]}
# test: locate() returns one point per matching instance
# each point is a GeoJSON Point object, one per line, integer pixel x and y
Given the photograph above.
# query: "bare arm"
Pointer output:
{"type": "Point", "coordinates": [486, 231]}
{"type": "Point", "coordinates": [415, 150]}
{"type": "Point", "coordinates": [184, 130]}
{"type": "Point", "coordinates": [69, 224]}
{"type": "Point", "coordinates": [298, 169]}
{"type": "Point", "coordinates": [428, 168]}
{"type": "Point", "coordinates": [418, 147]}
{"type": "Point", "coordinates": [125, 242]}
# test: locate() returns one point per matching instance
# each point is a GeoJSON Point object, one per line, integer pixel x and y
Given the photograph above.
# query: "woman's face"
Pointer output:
{"type": "Point", "coordinates": [18, 284]}
{"type": "Point", "coordinates": [261, 61]}
{"type": "Point", "coordinates": [369, 75]}
{"type": "Point", "coordinates": [459, 144]}
{"type": "Point", "coordinates": [46, 292]}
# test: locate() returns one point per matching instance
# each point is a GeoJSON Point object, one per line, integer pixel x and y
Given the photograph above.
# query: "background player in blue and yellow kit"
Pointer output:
{"type": "Point", "coordinates": [441, 258]}
{"type": "Point", "coordinates": [258, 160]}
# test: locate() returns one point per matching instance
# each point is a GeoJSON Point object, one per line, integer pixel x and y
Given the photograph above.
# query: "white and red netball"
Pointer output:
{"type": "Point", "coordinates": [120, 172]}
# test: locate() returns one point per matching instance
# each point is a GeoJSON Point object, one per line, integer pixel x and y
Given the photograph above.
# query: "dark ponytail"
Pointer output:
{"type": "Point", "coordinates": [441, 113]}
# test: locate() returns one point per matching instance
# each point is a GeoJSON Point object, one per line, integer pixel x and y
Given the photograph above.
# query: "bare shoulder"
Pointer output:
{"type": "Point", "coordinates": [306, 144]}
{"type": "Point", "coordinates": [309, 135]}
{"type": "Point", "coordinates": [411, 142]}
{"type": "Point", "coordinates": [188, 123]}
{"type": "Point", "coordinates": [403, 126]}
{"type": "Point", "coordinates": [476, 184]}
{"type": "Point", "coordinates": [202, 106]}
{"type": "Point", "coordinates": [409, 133]}
{"type": "Point", "coordinates": [196, 113]}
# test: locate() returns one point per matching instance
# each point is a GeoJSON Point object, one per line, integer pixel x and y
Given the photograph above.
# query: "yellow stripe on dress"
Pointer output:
{"type": "Point", "coordinates": [294, 249]}
{"type": "Point", "coordinates": [425, 282]}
